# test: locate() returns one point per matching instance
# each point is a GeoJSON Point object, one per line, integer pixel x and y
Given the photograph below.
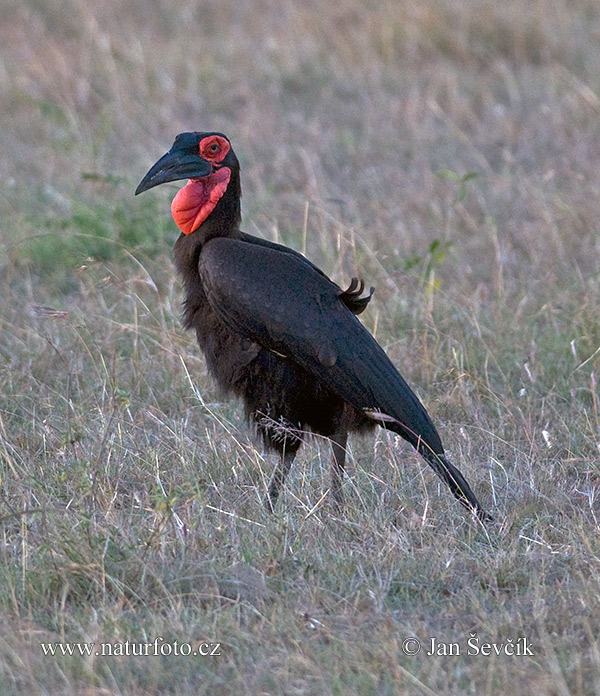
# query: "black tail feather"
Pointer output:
{"type": "Point", "coordinates": [455, 481]}
{"type": "Point", "coordinates": [449, 474]}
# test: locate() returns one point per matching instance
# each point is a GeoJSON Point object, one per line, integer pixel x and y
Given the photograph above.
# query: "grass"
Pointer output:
{"type": "Point", "coordinates": [445, 152]}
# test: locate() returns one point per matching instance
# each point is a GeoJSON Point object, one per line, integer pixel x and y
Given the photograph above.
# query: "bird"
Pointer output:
{"type": "Point", "coordinates": [278, 333]}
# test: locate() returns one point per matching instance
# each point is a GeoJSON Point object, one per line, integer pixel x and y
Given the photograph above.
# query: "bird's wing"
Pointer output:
{"type": "Point", "coordinates": [284, 303]}
{"type": "Point", "coordinates": [351, 297]}
{"type": "Point", "coordinates": [251, 239]}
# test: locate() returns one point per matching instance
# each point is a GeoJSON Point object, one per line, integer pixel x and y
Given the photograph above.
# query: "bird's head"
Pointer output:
{"type": "Point", "coordinates": [210, 164]}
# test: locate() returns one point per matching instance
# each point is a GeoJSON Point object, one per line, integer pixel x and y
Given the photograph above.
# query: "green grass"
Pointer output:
{"type": "Point", "coordinates": [445, 152]}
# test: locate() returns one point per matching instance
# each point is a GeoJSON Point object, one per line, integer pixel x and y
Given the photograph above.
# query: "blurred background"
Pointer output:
{"type": "Point", "coordinates": [364, 111]}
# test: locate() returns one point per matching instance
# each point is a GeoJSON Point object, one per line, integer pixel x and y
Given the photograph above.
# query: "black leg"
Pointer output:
{"type": "Point", "coordinates": [282, 469]}
{"type": "Point", "coordinates": [338, 449]}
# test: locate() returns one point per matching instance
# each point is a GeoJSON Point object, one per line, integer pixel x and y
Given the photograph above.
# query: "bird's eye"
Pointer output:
{"type": "Point", "coordinates": [214, 148]}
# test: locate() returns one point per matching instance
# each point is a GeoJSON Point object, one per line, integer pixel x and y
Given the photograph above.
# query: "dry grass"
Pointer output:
{"type": "Point", "coordinates": [129, 493]}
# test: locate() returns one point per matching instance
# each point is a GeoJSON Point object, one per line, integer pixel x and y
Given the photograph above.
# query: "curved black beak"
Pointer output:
{"type": "Point", "coordinates": [176, 164]}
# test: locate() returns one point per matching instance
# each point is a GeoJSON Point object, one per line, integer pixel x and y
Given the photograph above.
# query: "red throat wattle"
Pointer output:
{"type": "Point", "coordinates": [198, 198]}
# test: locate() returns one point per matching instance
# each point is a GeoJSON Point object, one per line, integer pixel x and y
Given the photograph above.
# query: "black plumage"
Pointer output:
{"type": "Point", "coordinates": [277, 332]}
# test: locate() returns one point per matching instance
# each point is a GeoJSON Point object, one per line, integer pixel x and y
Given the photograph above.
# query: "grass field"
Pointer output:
{"type": "Point", "coordinates": [447, 152]}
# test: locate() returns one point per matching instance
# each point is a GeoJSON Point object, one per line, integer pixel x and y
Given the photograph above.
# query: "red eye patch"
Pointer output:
{"type": "Point", "coordinates": [214, 148]}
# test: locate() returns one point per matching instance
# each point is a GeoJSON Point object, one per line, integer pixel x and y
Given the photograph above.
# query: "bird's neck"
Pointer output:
{"type": "Point", "coordinates": [224, 221]}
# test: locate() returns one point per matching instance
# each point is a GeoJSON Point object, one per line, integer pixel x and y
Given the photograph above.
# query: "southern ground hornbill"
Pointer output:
{"type": "Point", "coordinates": [277, 332]}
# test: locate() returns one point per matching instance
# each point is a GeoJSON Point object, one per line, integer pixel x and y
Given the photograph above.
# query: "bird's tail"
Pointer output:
{"type": "Point", "coordinates": [449, 474]}
{"type": "Point", "coordinates": [452, 477]}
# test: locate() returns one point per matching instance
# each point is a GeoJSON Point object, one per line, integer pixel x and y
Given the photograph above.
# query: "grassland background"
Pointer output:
{"type": "Point", "coordinates": [130, 489]}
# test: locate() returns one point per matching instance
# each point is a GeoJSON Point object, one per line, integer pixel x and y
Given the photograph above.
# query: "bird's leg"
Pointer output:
{"type": "Point", "coordinates": [338, 450]}
{"type": "Point", "coordinates": [282, 469]}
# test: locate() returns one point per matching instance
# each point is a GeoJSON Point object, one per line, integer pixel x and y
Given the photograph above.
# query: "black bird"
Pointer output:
{"type": "Point", "coordinates": [277, 332]}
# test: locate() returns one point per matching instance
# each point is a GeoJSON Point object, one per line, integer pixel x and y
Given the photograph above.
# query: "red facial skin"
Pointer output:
{"type": "Point", "coordinates": [198, 198]}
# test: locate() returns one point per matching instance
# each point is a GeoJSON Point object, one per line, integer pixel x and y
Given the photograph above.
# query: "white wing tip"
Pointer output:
{"type": "Point", "coordinates": [379, 416]}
